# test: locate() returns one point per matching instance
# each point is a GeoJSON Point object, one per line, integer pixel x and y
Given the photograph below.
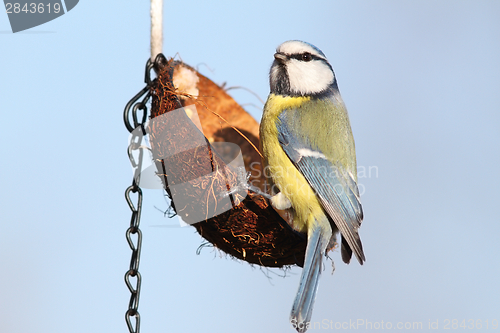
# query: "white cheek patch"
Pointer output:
{"type": "Point", "coordinates": [309, 77]}
{"type": "Point", "coordinates": [305, 152]}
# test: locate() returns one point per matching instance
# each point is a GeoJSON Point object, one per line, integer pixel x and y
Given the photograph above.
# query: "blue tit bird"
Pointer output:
{"type": "Point", "coordinates": [309, 156]}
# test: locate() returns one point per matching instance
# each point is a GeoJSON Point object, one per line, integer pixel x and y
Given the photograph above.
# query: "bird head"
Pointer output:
{"type": "Point", "coordinates": [300, 69]}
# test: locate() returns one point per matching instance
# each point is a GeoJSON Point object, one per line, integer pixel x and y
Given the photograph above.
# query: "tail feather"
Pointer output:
{"type": "Point", "coordinates": [302, 307]}
{"type": "Point", "coordinates": [346, 251]}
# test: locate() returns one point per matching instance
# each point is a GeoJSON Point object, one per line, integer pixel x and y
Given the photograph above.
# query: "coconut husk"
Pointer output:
{"type": "Point", "coordinates": [197, 175]}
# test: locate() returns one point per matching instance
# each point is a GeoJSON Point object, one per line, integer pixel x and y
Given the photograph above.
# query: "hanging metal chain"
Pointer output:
{"type": "Point", "coordinates": [133, 231]}
{"type": "Point", "coordinates": [134, 261]}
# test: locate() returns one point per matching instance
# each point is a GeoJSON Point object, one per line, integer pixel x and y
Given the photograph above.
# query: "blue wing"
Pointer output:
{"type": "Point", "coordinates": [336, 189]}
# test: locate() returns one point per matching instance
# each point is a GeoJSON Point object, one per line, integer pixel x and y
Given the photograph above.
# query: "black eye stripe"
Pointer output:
{"type": "Point", "coordinates": [299, 56]}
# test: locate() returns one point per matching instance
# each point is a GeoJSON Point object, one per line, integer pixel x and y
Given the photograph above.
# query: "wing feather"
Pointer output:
{"type": "Point", "coordinates": [336, 189]}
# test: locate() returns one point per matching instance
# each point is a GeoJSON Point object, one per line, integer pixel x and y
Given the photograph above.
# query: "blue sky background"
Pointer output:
{"type": "Point", "coordinates": [421, 82]}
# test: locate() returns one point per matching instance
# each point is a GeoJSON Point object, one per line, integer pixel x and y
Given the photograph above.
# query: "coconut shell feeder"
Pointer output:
{"type": "Point", "coordinates": [195, 172]}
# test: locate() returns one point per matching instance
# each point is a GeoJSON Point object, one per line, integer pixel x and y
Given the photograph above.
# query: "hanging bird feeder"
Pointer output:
{"type": "Point", "coordinates": [198, 177]}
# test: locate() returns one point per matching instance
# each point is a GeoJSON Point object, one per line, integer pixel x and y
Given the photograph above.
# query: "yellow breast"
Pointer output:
{"type": "Point", "coordinates": [277, 165]}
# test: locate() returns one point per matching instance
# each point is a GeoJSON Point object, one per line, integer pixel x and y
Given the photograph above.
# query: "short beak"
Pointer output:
{"type": "Point", "coordinates": [280, 57]}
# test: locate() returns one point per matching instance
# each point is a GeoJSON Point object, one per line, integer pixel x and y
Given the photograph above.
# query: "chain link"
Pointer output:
{"type": "Point", "coordinates": [133, 234]}
{"type": "Point", "coordinates": [133, 272]}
